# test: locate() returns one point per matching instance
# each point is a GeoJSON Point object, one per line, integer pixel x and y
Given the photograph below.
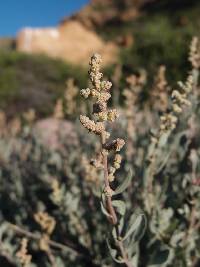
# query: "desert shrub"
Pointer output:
{"type": "Point", "coordinates": [49, 188]}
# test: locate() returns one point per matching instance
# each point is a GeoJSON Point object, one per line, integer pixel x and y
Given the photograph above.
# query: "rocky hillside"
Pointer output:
{"type": "Point", "coordinates": [100, 13]}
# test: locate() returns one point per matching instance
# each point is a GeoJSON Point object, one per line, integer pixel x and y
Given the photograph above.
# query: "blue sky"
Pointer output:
{"type": "Point", "coordinates": [15, 14]}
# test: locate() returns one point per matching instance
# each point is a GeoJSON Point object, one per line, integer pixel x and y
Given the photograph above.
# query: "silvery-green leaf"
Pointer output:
{"type": "Point", "coordinates": [163, 139]}
{"type": "Point", "coordinates": [134, 259]}
{"type": "Point", "coordinates": [177, 238]}
{"type": "Point", "coordinates": [96, 192]}
{"type": "Point", "coordinates": [132, 249]}
{"type": "Point", "coordinates": [114, 234]}
{"type": "Point", "coordinates": [119, 260]}
{"type": "Point", "coordinates": [113, 252]}
{"type": "Point", "coordinates": [3, 229]}
{"type": "Point", "coordinates": [121, 188]}
{"type": "Point", "coordinates": [121, 224]}
{"type": "Point", "coordinates": [161, 257]}
{"type": "Point", "coordinates": [120, 206]}
{"type": "Point", "coordinates": [137, 226]}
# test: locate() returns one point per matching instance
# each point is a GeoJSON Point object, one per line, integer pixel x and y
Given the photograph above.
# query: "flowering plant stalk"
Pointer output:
{"type": "Point", "coordinates": [113, 209]}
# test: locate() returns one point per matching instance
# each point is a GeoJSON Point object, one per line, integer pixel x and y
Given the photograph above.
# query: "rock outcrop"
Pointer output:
{"type": "Point", "coordinates": [70, 41]}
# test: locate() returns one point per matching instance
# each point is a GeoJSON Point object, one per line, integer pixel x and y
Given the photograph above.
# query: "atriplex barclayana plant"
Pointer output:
{"type": "Point", "coordinates": [165, 185]}
{"type": "Point", "coordinates": [123, 242]}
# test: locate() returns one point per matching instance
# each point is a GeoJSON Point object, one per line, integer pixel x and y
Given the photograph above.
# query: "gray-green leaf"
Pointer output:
{"type": "Point", "coordinates": [121, 188]}
{"type": "Point", "coordinates": [137, 226]}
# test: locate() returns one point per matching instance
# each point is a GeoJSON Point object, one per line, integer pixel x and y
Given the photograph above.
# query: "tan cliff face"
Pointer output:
{"type": "Point", "coordinates": [70, 41]}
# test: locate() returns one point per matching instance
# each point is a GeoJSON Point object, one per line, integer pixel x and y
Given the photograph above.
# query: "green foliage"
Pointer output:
{"type": "Point", "coordinates": [159, 37]}
{"type": "Point", "coordinates": [34, 81]}
{"type": "Point", "coordinates": [159, 42]}
{"type": "Point", "coordinates": [8, 84]}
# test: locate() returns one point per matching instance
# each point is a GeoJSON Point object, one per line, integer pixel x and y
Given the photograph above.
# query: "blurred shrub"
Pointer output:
{"type": "Point", "coordinates": [44, 168]}
{"type": "Point", "coordinates": [160, 36]}
{"type": "Point", "coordinates": [33, 81]}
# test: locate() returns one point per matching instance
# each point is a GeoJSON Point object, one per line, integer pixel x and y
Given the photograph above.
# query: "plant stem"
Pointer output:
{"type": "Point", "coordinates": [69, 248]}
{"type": "Point", "coordinates": [110, 207]}
{"type": "Point", "coordinates": [38, 237]}
{"type": "Point", "coordinates": [123, 254]}
{"type": "Point", "coordinates": [113, 217]}
{"type": "Point", "coordinates": [6, 254]}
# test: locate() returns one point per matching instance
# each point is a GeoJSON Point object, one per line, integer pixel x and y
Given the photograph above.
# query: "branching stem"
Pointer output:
{"type": "Point", "coordinates": [65, 248]}
{"type": "Point", "coordinates": [110, 207]}
{"type": "Point", "coordinates": [113, 217]}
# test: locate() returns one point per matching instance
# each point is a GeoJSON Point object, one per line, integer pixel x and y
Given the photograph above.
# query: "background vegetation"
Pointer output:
{"type": "Point", "coordinates": [49, 188]}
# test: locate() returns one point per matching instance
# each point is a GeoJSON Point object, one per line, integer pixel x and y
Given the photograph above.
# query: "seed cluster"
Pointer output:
{"type": "Point", "coordinates": [194, 56]}
{"type": "Point", "coordinates": [179, 98]}
{"type": "Point", "coordinates": [22, 254]}
{"type": "Point", "coordinates": [100, 92]}
{"type": "Point", "coordinates": [46, 222]}
{"type": "Point", "coordinates": [115, 167]}
{"type": "Point", "coordinates": [56, 191]}
{"type": "Point", "coordinates": [160, 91]}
